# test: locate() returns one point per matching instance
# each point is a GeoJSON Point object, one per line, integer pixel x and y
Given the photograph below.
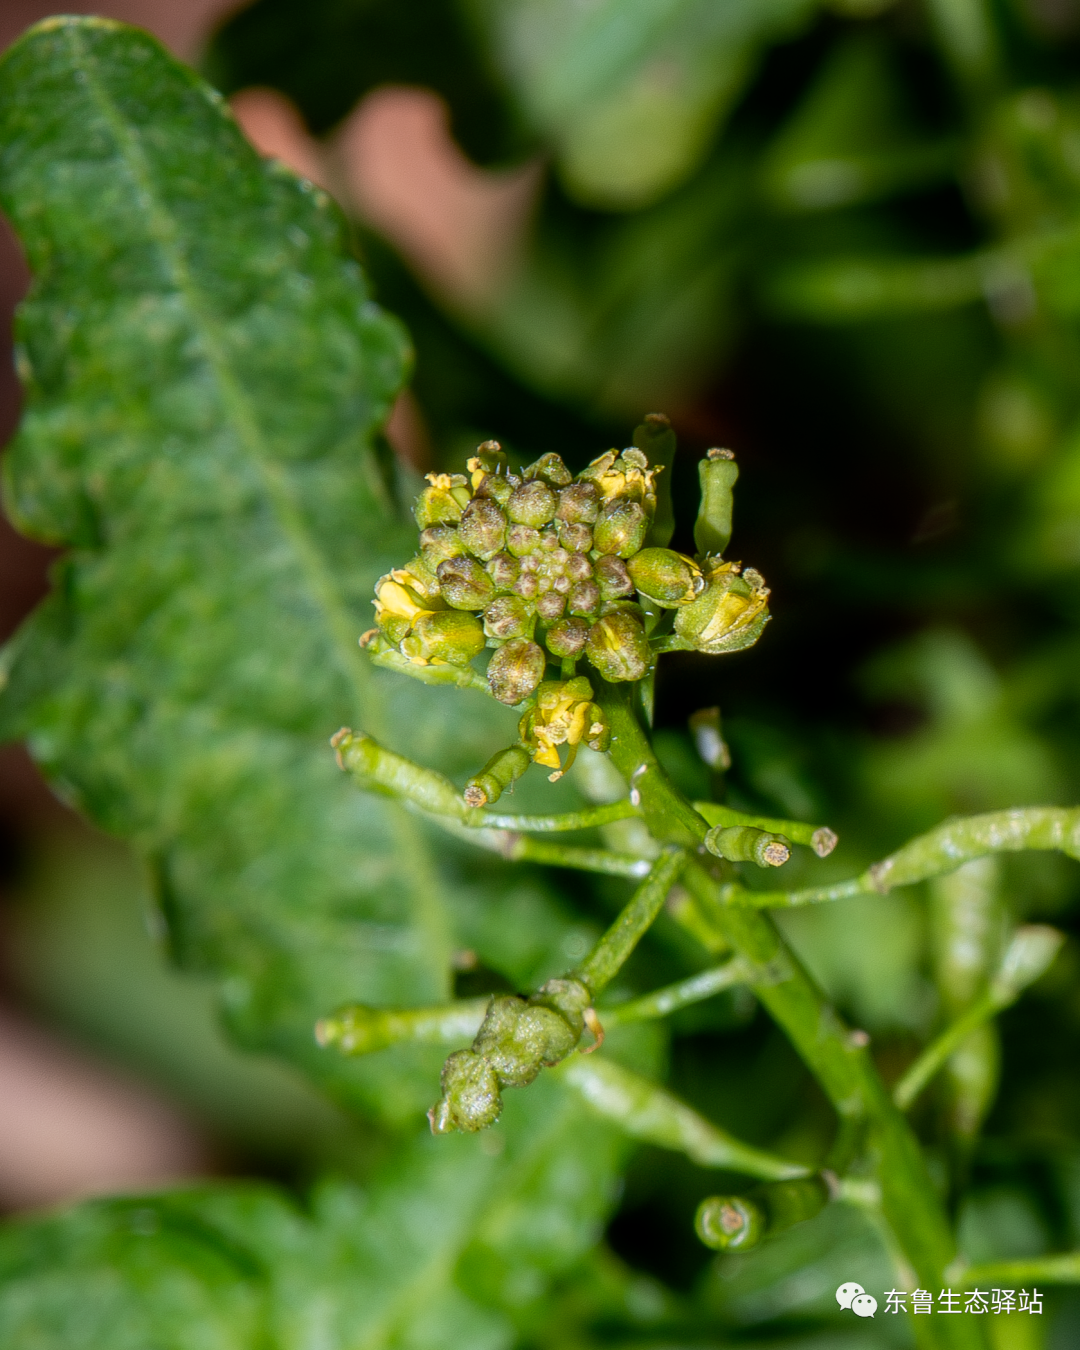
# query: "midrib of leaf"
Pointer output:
{"type": "Point", "coordinates": [329, 602]}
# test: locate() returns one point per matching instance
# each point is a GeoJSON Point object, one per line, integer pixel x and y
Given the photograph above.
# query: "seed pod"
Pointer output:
{"type": "Point", "coordinates": [618, 648]}
{"type": "Point", "coordinates": [656, 440]}
{"type": "Point", "coordinates": [550, 606]}
{"type": "Point", "coordinates": [712, 530]}
{"type": "Point", "coordinates": [515, 670]}
{"type": "Point", "coordinates": [470, 1100]}
{"type": "Point", "coordinates": [613, 578]}
{"type": "Point", "coordinates": [729, 1223]}
{"type": "Point", "coordinates": [743, 843]}
{"type": "Point", "coordinates": [620, 528]}
{"type": "Point", "coordinates": [522, 539]}
{"type": "Point", "coordinates": [483, 528]}
{"type": "Point", "coordinates": [730, 614]}
{"type": "Point", "coordinates": [787, 1203]}
{"type": "Point", "coordinates": [442, 501]}
{"type": "Point", "coordinates": [438, 542]}
{"type": "Point", "coordinates": [584, 598]}
{"type": "Point", "coordinates": [503, 570]}
{"type": "Point", "coordinates": [508, 616]}
{"type": "Point", "coordinates": [500, 772]}
{"type": "Point", "coordinates": [551, 469]}
{"type": "Point", "coordinates": [532, 504]}
{"type": "Point", "coordinates": [449, 636]}
{"type": "Point", "coordinates": [567, 637]}
{"type": "Point", "coordinates": [668, 578]}
{"type": "Point", "coordinates": [575, 538]}
{"type": "Point", "coordinates": [579, 504]}
{"type": "Point", "coordinates": [464, 584]}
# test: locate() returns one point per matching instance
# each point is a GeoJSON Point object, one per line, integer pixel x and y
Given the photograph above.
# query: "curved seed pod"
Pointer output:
{"type": "Point", "coordinates": [470, 1100]}
{"type": "Point", "coordinates": [729, 1223]}
{"type": "Point", "coordinates": [668, 578]}
{"type": "Point", "coordinates": [712, 530]}
{"type": "Point", "coordinates": [500, 772]}
{"type": "Point", "coordinates": [613, 578]}
{"type": "Point", "coordinates": [515, 670]}
{"type": "Point", "coordinates": [620, 528]}
{"type": "Point", "coordinates": [743, 843]}
{"type": "Point", "coordinates": [508, 616]}
{"type": "Point", "coordinates": [483, 528]}
{"type": "Point", "coordinates": [442, 501]}
{"type": "Point", "coordinates": [579, 504]}
{"type": "Point", "coordinates": [618, 648]}
{"type": "Point", "coordinates": [787, 1203]}
{"type": "Point", "coordinates": [729, 615]}
{"type": "Point", "coordinates": [452, 636]}
{"type": "Point", "coordinates": [464, 584]}
{"type": "Point", "coordinates": [532, 504]}
{"type": "Point", "coordinates": [551, 469]}
{"type": "Point", "coordinates": [567, 637]}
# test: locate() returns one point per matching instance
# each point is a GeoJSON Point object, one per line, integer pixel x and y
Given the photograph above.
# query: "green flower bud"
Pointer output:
{"type": "Point", "coordinates": [618, 648]}
{"type": "Point", "coordinates": [743, 843]}
{"type": "Point", "coordinates": [584, 598]}
{"type": "Point", "coordinates": [579, 504]}
{"type": "Point", "coordinates": [464, 584]}
{"type": "Point", "coordinates": [532, 504]}
{"type": "Point", "coordinates": [438, 542]}
{"type": "Point", "coordinates": [712, 530]}
{"type": "Point", "coordinates": [489, 459]}
{"type": "Point", "coordinates": [668, 578]}
{"type": "Point", "coordinates": [500, 772]}
{"type": "Point", "coordinates": [613, 578]}
{"type": "Point", "coordinates": [443, 500]}
{"type": "Point", "coordinates": [575, 538]}
{"type": "Point", "coordinates": [446, 637]}
{"type": "Point", "coordinates": [729, 1223]}
{"type": "Point", "coordinates": [517, 1039]}
{"type": "Point", "coordinates": [620, 528]}
{"type": "Point", "coordinates": [551, 469]}
{"type": "Point", "coordinates": [503, 570]}
{"type": "Point", "coordinates": [470, 1100]}
{"type": "Point", "coordinates": [508, 616]}
{"type": "Point", "coordinates": [567, 637]}
{"type": "Point", "coordinates": [522, 540]}
{"type": "Point", "coordinates": [550, 606]}
{"type": "Point", "coordinates": [730, 614]}
{"type": "Point", "coordinates": [515, 670]}
{"type": "Point", "coordinates": [483, 528]}
{"type": "Point", "coordinates": [497, 489]}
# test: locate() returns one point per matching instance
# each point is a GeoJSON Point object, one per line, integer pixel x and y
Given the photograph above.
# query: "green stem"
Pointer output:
{"type": "Point", "coordinates": [614, 948]}
{"type": "Point", "coordinates": [522, 848]}
{"type": "Point", "coordinates": [818, 837]}
{"type": "Point", "coordinates": [938, 1051]}
{"type": "Point", "coordinates": [1062, 1268]}
{"type": "Point", "coordinates": [360, 1030]}
{"type": "Point", "coordinates": [670, 999]}
{"type": "Point", "coordinates": [586, 819]}
{"type": "Point", "coordinates": [648, 1112]}
{"type": "Point", "coordinates": [969, 42]}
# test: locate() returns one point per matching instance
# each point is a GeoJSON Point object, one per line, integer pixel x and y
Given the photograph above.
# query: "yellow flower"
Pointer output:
{"type": "Point", "coordinates": [564, 715]}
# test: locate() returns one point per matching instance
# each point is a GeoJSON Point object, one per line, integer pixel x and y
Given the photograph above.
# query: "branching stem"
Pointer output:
{"type": "Point", "coordinates": [614, 948]}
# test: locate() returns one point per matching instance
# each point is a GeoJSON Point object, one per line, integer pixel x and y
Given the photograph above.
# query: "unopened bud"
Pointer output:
{"type": "Point", "coordinates": [567, 637]}
{"type": "Point", "coordinates": [551, 469]}
{"type": "Point", "coordinates": [522, 540]}
{"type": "Point", "coordinates": [451, 636]}
{"type": "Point", "coordinates": [532, 504]}
{"type": "Point", "coordinates": [500, 772]}
{"type": "Point", "coordinates": [508, 616]}
{"type": "Point", "coordinates": [584, 598]}
{"type": "Point", "coordinates": [575, 538]}
{"type": "Point", "coordinates": [464, 584]}
{"type": "Point", "coordinates": [438, 542]}
{"type": "Point", "coordinates": [503, 570]}
{"type": "Point", "coordinates": [712, 530]}
{"type": "Point", "coordinates": [668, 578]}
{"type": "Point", "coordinates": [618, 648]}
{"type": "Point", "coordinates": [729, 1223]}
{"type": "Point", "coordinates": [620, 528]}
{"type": "Point", "coordinates": [483, 528]}
{"type": "Point", "coordinates": [515, 670]}
{"type": "Point", "coordinates": [470, 1100]}
{"type": "Point", "coordinates": [579, 504]}
{"type": "Point", "coordinates": [497, 488]}
{"type": "Point", "coordinates": [744, 843]}
{"type": "Point", "coordinates": [550, 606]}
{"type": "Point", "coordinates": [613, 578]}
{"type": "Point", "coordinates": [442, 501]}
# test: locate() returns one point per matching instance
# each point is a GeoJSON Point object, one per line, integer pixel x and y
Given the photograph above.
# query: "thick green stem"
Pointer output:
{"type": "Point", "coordinates": [1062, 1268]}
{"type": "Point", "coordinates": [663, 1002]}
{"type": "Point", "coordinates": [361, 1030]}
{"type": "Point", "coordinates": [614, 948]}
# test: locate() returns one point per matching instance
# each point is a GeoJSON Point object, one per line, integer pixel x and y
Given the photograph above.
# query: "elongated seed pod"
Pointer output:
{"type": "Point", "coordinates": [712, 530]}
{"type": "Point", "coordinates": [744, 843]}
{"type": "Point", "coordinates": [729, 1223]}
{"type": "Point", "coordinates": [499, 773]}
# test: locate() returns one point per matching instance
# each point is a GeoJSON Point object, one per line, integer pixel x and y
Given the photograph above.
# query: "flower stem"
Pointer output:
{"type": "Point", "coordinates": [662, 1002]}
{"type": "Point", "coordinates": [613, 949]}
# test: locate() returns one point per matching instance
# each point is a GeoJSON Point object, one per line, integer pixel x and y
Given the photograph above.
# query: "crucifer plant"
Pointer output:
{"type": "Point", "coordinates": [206, 377]}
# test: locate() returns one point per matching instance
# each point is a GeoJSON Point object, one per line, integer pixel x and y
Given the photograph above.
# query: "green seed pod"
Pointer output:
{"type": "Point", "coordinates": [508, 616]}
{"type": "Point", "coordinates": [464, 584]}
{"type": "Point", "coordinates": [470, 1100]}
{"type": "Point", "coordinates": [503, 570]}
{"type": "Point", "coordinates": [729, 1223]}
{"type": "Point", "coordinates": [449, 636]}
{"type": "Point", "coordinates": [551, 469]}
{"type": "Point", "coordinates": [500, 772]}
{"type": "Point", "coordinates": [787, 1203]}
{"type": "Point", "coordinates": [532, 504]}
{"type": "Point", "coordinates": [743, 843]}
{"type": "Point", "coordinates": [442, 501]}
{"type": "Point", "coordinates": [618, 648]}
{"type": "Point", "coordinates": [483, 528]}
{"type": "Point", "coordinates": [730, 614]}
{"type": "Point", "coordinates": [515, 670]}
{"type": "Point", "coordinates": [521, 540]}
{"type": "Point", "coordinates": [613, 578]}
{"type": "Point", "coordinates": [670, 579]}
{"type": "Point", "coordinates": [620, 528]}
{"type": "Point", "coordinates": [656, 440]}
{"type": "Point", "coordinates": [567, 637]}
{"type": "Point", "coordinates": [579, 504]}
{"type": "Point", "coordinates": [438, 542]}
{"type": "Point", "coordinates": [712, 530]}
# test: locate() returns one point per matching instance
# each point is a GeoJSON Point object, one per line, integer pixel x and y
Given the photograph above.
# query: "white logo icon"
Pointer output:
{"type": "Point", "coordinates": [847, 1293]}
{"type": "Point", "coordinates": [864, 1305]}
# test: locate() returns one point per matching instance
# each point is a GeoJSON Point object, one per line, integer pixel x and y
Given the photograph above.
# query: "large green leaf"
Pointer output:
{"type": "Point", "coordinates": [205, 373]}
{"type": "Point", "coordinates": [449, 1245]}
